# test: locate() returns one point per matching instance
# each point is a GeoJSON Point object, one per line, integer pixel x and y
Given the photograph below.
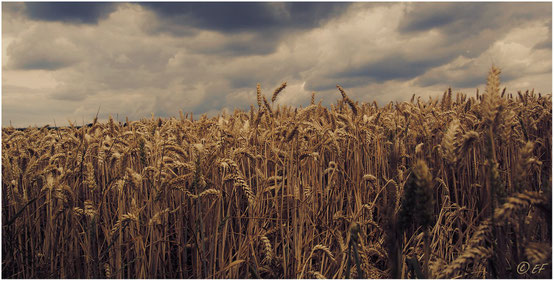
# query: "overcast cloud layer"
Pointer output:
{"type": "Point", "coordinates": [65, 61]}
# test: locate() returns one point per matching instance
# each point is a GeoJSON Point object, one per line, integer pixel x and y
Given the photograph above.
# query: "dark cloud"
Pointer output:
{"type": "Point", "coordinates": [401, 65]}
{"type": "Point", "coordinates": [74, 12]}
{"type": "Point", "coordinates": [426, 16]}
{"type": "Point", "coordinates": [243, 16]}
{"type": "Point", "coordinates": [468, 29]}
{"type": "Point", "coordinates": [267, 22]}
{"type": "Point", "coordinates": [546, 44]}
{"type": "Point", "coordinates": [394, 67]}
{"type": "Point", "coordinates": [43, 64]}
{"type": "Point", "coordinates": [243, 81]}
{"type": "Point", "coordinates": [470, 18]}
{"type": "Point", "coordinates": [234, 45]}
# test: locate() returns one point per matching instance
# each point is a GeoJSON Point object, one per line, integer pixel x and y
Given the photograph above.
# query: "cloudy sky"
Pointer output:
{"type": "Point", "coordinates": [65, 61]}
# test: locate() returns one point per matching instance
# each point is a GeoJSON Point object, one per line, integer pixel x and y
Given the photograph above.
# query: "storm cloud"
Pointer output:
{"type": "Point", "coordinates": [63, 61]}
{"type": "Point", "coordinates": [74, 12]}
{"type": "Point", "coordinates": [244, 28]}
{"type": "Point", "coordinates": [258, 17]}
{"type": "Point", "coordinates": [469, 18]}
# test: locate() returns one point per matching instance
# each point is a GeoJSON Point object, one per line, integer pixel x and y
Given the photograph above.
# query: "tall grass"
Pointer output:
{"type": "Point", "coordinates": [457, 186]}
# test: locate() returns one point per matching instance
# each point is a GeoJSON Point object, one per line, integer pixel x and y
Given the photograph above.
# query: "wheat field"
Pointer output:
{"type": "Point", "coordinates": [457, 186]}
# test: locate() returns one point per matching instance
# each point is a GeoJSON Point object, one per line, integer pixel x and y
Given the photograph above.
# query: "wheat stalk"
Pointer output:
{"type": "Point", "coordinates": [277, 91]}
